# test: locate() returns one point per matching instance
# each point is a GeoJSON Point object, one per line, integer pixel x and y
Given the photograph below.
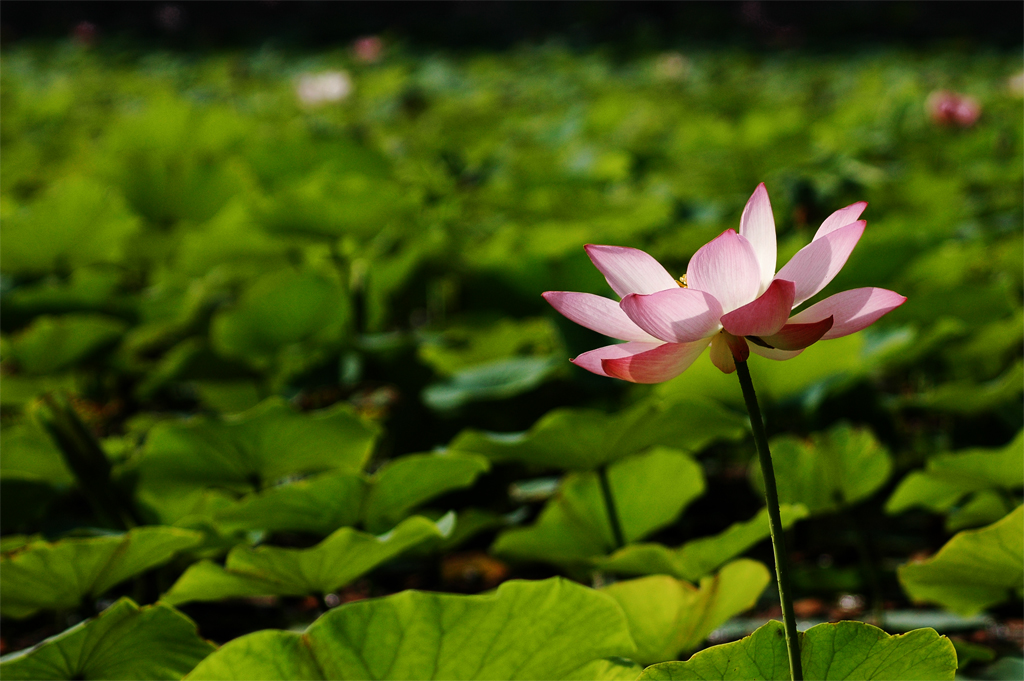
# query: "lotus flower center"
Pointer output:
{"type": "Point", "coordinates": [682, 281]}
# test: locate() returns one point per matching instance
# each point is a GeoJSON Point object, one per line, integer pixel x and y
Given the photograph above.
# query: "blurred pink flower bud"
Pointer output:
{"type": "Point", "coordinates": [317, 88]}
{"type": "Point", "coordinates": [368, 49]}
{"type": "Point", "coordinates": [84, 33]}
{"type": "Point", "coordinates": [951, 108]}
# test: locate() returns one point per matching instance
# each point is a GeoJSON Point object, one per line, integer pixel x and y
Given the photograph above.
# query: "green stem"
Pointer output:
{"type": "Point", "coordinates": [771, 496]}
{"type": "Point", "coordinates": [609, 505]}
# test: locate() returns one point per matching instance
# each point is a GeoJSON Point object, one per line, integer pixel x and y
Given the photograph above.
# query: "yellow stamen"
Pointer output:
{"type": "Point", "coordinates": [682, 281]}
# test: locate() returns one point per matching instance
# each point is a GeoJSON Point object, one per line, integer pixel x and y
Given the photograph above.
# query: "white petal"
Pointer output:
{"type": "Point", "coordinates": [630, 270]}
{"type": "Point", "coordinates": [597, 314]}
{"type": "Point", "coordinates": [851, 310]}
{"type": "Point", "coordinates": [679, 315]}
{"type": "Point", "coordinates": [815, 265]}
{"type": "Point", "coordinates": [726, 267]}
{"type": "Point", "coordinates": [841, 218]}
{"type": "Point", "coordinates": [757, 225]}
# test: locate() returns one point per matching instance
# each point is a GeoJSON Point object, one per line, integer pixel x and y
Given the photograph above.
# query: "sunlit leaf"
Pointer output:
{"type": "Point", "coordinates": [123, 642]}
{"type": "Point", "coordinates": [526, 630]}
{"type": "Point", "coordinates": [974, 570]}
{"type": "Point", "coordinates": [667, 616]}
{"type": "Point", "coordinates": [844, 650]}
{"type": "Point", "coordinates": [50, 576]}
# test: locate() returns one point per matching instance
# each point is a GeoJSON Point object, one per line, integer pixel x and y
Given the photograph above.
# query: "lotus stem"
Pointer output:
{"type": "Point", "coordinates": [609, 505]}
{"type": "Point", "coordinates": [771, 496]}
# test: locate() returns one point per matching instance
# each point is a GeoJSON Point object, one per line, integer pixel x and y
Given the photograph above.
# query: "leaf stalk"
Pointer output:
{"type": "Point", "coordinates": [771, 496]}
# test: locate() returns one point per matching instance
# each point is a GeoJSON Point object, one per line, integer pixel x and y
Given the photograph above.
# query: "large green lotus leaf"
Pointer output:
{"type": "Point", "coordinates": [319, 505]}
{"type": "Point", "coordinates": [246, 452]}
{"type": "Point", "coordinates": [496, 380]}
{"type": "Point", "coordinates": [698, 557]}
{"type": "Point", "coordinates": [281, 309]}
{"type": "Point", "coordinates": [844, 650]}
{"type": "Point", "coordinates": [51, 344]}
{"type": "Point", "coordinates": [667, 615]}
{"type": "Point", "coordinates": [30, 453]}
{"type": "Point", "coordinates": [408, 481]}
{"type": "Point", "coordinates": [828, 471]}
{"type": "Point", "coordinates": [326, 567]}
{"type": "Point", "coordinates": [51, 576]}
{"type": "Point", "coordinates": [949, 477]}
{"type": "Point", "coordinates": [76, 222]}
{"type": "Point", "coordinates": [650, 491]}
{"type": "Point", "coordinates": [123, 642]}
{"type": "Point", "coordinates": [544, 629]}
{"type": "Point", "coordinates": [974, 570]}
{"type": "Point", "coordinates": [583, 439]}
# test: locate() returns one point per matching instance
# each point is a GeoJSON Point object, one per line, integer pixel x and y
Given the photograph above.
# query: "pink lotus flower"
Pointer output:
{"type": "Point", "coordinates": [731, 298]}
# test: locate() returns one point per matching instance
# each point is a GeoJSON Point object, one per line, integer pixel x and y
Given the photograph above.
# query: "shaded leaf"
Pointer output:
{"type": "Point", "coordinates": [51, 344]}
{"type": "Point", "coordinates": [76, 222]}
{"type": "Point", "coordinates": [844, 650]}
{"type": "Point", "coordinates": [280, 309]}
{"type": "Point", "coordinates": [949, 477]}
{"type": "Point", "coordinates": [495, 380]}
{"type": "Point", "coordinates": [246, 452]}
{"type": "Point", "coordinates": [650, 491]}
{"type": "Point", "coordinates": [698, 557]}
{"type": "Point", "coordinates": [326, 567]}
{"type": "Point", "coordinates": [583, 439]}
{"type": "Point", "coordinates": [667, 616]}
{"type": "Point", "coordinates": [45, 576]}
{"type": "Point", "coordinates": [974, 570]}
{"type": "Point", "coordinates": [525, 630]}
{"type": "Point", "coordinates": [123, 642]}
{"type": "Point", "coordinates": [404, 483]}
{"type": "Point", "coordinates": [319, 505]}
{"type": "Point", "coordinates": [831, 470]}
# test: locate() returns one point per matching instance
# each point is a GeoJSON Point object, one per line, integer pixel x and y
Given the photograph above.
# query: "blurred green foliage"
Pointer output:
{"type": "Point", "coordinates": [268, 314]}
